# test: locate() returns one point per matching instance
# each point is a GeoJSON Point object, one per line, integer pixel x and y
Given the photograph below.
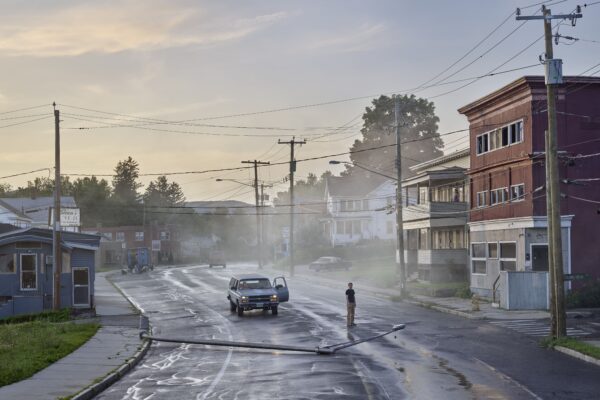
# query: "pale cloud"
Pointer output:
{"type": "Point", "coordinates": [358, 39]}
{"type": "Point", "coordinates": [103, 28]}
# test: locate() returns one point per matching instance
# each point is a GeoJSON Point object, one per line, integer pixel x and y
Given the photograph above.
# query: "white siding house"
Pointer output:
{"type": "Point", "coordinates": [359, 208]}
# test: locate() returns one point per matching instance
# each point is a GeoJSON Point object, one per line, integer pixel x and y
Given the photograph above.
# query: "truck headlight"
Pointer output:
{"type": "Point", "coordinates": [244, 299]}
{"type": "Point", "coordinates": [273, 297]}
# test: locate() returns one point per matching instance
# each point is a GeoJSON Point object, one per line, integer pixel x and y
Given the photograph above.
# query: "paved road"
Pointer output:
{"type": "Point", "coordinates": [438, 356]}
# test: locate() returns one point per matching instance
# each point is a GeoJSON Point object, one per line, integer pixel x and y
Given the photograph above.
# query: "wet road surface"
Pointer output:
{"type": "Point", "coordinates": [438, 356]}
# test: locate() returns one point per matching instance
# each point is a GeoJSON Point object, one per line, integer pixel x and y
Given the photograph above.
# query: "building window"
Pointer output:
{"type": "Point", "coordinates": [508, 256]}
{"type": "Point", "coordinates": [482, 144]}
{"type": "Point", "coordinates": [498, 138]}
{"type": "Point", "coordinates": [493, 250]}
{"type": "Point", "coordinates": [517, 192]}
{"type": "Point", "coordinates": [339, 227]}
{"type": "Point", "coordinates": [107, 235]}
{"type": "Point", "coordinates": [139, 236]}
{"type": "Point", "coordinates": [478, 257]}
{"type": "Point", "coordinates": [481, 199]}
{"type": "Point", "coordinates": [81, 287]}
{"type": "Point", "coordinates": [120, 236]}
{"type": "Point", "coordinates": [423, 195]}
{"type": "Point", "coordinates": [498, 196]}
{"type": "Point", "coordinates": [7, 263]}
{"type": "Point", "coordinates": [165, 235]}
{"type": "Point", "coordinates": [28, 271]}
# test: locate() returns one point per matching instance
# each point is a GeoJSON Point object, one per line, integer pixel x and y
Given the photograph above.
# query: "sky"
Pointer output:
{"type": "Point", "coordinates": [125, 70]}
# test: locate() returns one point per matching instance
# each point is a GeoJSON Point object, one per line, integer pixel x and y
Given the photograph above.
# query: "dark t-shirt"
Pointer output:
{"type": "Point", "coordinates": [350, 296]}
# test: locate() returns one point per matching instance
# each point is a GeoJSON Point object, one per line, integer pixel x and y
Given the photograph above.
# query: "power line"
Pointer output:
{"type": "Point", "coordinates": [26, 173]}
{"type": "Point", "coordinates": [25, 109]}
{"type": "Point", "coordinates": [27, 122]}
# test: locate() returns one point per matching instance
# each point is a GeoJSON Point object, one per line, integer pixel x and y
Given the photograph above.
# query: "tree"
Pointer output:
{"type": "Point", "coordinates": [93, 198]}
{"type": "Point", "coordinates": [42, 187]}
{"type": "Point", "coordinates": [5, 189]}
{"type": "Point", "coordinates": [418, 125]}
{"type": "Point", "coordinates": [125, 185]}
{"type": "Point", "coordinates": [124, 199]}
{"type": "Point", "coordinates": [161, 193]}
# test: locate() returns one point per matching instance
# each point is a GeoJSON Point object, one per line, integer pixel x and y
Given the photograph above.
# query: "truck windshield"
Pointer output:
{"type": "Point", "coordinates": [255, 284]}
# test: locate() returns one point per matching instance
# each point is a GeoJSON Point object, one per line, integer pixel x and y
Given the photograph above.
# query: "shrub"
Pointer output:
{"type": "Point", "coordinates": [586, 296]}
{"type": "Point", "coordinates": [464, 292]}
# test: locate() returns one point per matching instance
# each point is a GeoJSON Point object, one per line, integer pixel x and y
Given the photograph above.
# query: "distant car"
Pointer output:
{"type": "Point", "coordinates": [216, 258]}
{"type": "Point", "coordinates": [329, 264]}
{"type": "Point", "coordinates": [255, 292]}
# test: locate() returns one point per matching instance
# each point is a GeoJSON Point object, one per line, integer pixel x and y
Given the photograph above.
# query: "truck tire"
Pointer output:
{"type": "Point", "coordinates": [240, 311]}
{"type": "Point", "coordinates": [232, 306]}
{"type": "Point", "coordinates": [275, 310]}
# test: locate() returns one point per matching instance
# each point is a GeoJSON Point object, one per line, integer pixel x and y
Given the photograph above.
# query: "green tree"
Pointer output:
{"type": "Point", "coordinates": [93, 198]}
{"type": "Point", "coordinates": [418, 130]}
{"type": "Point", "coordinates": [125, 196]}
{"type": "Point", "coordinates": [161, 193]}
{"type": "Point", "coordinates": [5, 189]}
{"type": "Point", "coordinates": [43, 187]}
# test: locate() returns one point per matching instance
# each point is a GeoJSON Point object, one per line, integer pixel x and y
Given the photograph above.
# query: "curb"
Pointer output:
{"type": "Point", "coordinates": [577, 354]}
{"type": "Point", "coordinates": [97, 388]}
{"type": "Point", "coordinates": [445, 310]}
{"type": "Point", "coordinates": [114, 376]}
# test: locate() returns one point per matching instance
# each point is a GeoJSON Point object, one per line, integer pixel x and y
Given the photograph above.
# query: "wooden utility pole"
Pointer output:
{"type": "Point", "coordinates": [56, 247]}
{"type": "Point", "coordinates": [258, 219]}
{"type": "Point", "coordinates": [399, 222]}
{"type": "Point", "coordinates": [553, 78]}
{"type": "Point", "coordinates": [292, 143]}
{"type": "Point", "coordinates": [262, 208]}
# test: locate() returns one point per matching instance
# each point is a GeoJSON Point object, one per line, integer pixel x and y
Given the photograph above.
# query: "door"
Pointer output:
{"type": "Point", "coordinates": [280, 286]}
{"type": "Point", "coordinates": [81, 287]}
{"type": "Point", "coordinates": [539, 257]}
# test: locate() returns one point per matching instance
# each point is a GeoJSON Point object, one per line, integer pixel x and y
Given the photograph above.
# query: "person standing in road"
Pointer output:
{"type": "Point", "coordinates": [351, 305]}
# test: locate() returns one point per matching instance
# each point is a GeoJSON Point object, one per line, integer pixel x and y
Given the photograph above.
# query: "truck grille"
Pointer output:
{"type": "Point", "coordinates": [260, 299]}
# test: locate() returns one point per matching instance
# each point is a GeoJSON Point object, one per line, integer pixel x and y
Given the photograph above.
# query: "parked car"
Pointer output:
{"type": "Point", "coordinates": [215, 258]}
{"type": "Point", "coordinates": [329, 263]}
{"type": "Point", "coordinates": [255, 292]}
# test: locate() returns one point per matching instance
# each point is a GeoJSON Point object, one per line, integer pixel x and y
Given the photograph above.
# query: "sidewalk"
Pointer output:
{"type": "Point", "coordinates": [109, 354]}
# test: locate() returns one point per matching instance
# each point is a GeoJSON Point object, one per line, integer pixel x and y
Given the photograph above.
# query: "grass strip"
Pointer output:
{"type": "Point", "coordinates": [574, 344]}
{"type": "Point", "coordinates": [28, 347]}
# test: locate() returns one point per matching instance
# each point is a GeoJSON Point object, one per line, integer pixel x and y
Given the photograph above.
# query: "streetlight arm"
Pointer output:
{"type": "Point", "coordinates": [336, 162]}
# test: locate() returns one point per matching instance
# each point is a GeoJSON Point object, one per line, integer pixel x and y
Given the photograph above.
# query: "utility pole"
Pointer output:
{"type": "Point", "coordinates": [399, 223]}
{"type": "Point", "coordinates": [292, 143]}
{"type": "Point", "coordinates": [262, 208]}
{"type": "Point", "coordinates": [553, 79]}
{"type": "Point", "coordinates": [258, 219]}
{"type": "Point", "coordinates": [56, 247]}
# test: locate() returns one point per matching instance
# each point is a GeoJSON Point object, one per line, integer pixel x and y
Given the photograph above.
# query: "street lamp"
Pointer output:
{"type": "Point", "coordinates": [233, 180]}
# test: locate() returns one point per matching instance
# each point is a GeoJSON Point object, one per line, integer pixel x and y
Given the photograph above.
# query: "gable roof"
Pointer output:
{"type": "Point", "coordinates": [352, 185]}
{"type": "Point", "coordinates": [37, 209]}
{"type": "Point", "coordinates": [70, 240]}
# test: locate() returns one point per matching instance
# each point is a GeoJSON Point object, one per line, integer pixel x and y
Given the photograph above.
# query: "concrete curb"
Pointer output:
{"type": "Point", "coordinates": [444, 309]}
{"type": "Point", "coordinates": [114, 376]}
{"type": "Point", "coordinates": [577, 354]}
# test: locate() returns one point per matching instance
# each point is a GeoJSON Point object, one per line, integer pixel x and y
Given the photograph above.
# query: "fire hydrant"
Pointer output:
{"type": "Point", "coordinates": [475, 303]}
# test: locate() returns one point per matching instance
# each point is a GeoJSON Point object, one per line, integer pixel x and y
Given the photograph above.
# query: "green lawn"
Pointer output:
{"type": "Point", "coordinates": [574, 344]}
{"type": "Point", "coordinates": [28, 347]}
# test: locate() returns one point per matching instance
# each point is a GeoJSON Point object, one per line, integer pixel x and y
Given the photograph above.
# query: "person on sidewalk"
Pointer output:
{"type": "Point", "coordinates": [350, 305]}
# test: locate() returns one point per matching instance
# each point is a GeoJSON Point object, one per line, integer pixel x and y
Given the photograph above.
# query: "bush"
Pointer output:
{"type": "Point", "coordinates": [586, 296]}
{"type": "Point", "coordinates": [49, 316]}
{"type": "Point", "coordinates": [464, 292]}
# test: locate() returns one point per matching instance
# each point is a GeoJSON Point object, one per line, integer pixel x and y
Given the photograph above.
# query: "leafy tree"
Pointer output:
{"type": "Point", "coordinates": [42, 187]}
{"type": "Point", "coordinates": [163, 194]}
{"type": "Point", "coordinates": [418, 129]}
{"type": "Point", "coordinates": [5, 189]}
{"type": "Point", "coordinates": [93, 198]}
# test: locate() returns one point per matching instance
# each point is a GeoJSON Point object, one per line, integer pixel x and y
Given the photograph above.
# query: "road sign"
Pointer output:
{"type": "Point", "coordinates": [576, 277]}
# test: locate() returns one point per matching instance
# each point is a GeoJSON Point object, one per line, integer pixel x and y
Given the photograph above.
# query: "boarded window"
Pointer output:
{"type": "Point", "coordinates": [478, 250]}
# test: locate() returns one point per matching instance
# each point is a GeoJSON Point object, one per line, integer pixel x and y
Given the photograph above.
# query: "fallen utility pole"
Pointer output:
{"type": "Point", "coordinates": [326, 350]}
{"type": "Point", "coordinates": [553, 79]}
{"type": "Point", "coordinates": [56, 247]}
{"type": "Point", "coordinates": [258, 209]}
{"type": "Point", "coordinates": [399, 222]}
{"type": "Point", "coordinates": [292, 143]}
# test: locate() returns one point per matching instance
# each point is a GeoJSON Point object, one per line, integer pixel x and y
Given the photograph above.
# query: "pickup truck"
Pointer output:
{"type": "Point", "coordinates": [255, 292]}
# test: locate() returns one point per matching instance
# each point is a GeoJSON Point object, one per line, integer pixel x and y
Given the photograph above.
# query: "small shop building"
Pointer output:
{"type": "Point", "coordinates": [26, 271]}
